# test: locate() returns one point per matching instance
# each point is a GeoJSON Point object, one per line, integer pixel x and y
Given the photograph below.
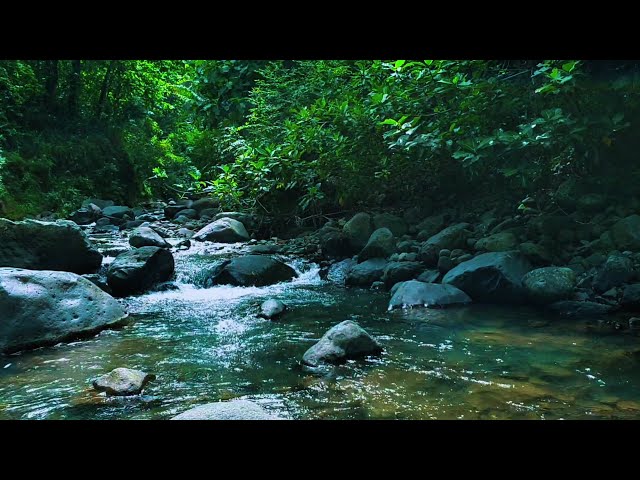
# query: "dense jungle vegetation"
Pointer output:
{"type": "Point", "coordinates": [299, 138]}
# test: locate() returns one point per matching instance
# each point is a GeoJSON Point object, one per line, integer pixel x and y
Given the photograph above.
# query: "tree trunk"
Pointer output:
{"type": "Point", "coordinates": [104, 89]}
{"type": "Point", "coordinates": [51, 83]}
{"type": "Point", "coordinates": [74, 87]}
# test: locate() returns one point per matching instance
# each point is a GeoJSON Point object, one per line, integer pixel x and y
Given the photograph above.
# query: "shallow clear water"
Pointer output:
{"type": "Point", "coordinates": [476, 362]}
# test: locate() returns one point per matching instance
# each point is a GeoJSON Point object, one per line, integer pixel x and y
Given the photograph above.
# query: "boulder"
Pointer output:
{"type": "Point", "coordinates": [101, 204]}
{"type": "Point", "coordinates": [494, 277]}
{"type": "Point", "coordinates": [592, 203]}
{"type": "Point", "coordinates": [536, 253]}
{"type": "Point", "coordinates": [631, 297]}
{"type": "Point", "coordinates": [272, 309]}
{"type": "Point", "coordinates": [380, 245]}
{"type": "Point", "coordinates": [118, 211]}
{"type": "Point", "coordinates": [86, 215]}
{"type": "Point", "coordinates": [223, 230]}
{"type": "Point", "coordinates": [498, 242]}
{"type": "Point", "coordinates": [209, 213]}
{"type": "Point", "coordinates": [249, 270]}
{"type": "Point", "coordinates": [205, 203]}
{"type": "Point", "coordinates": [451, 237]}
{"type": "Point", "coordinates": [44, 307]}
{"type": "Point", "coordinates": [365, 273]}
{"type": "Point", "coordinates": [625, 233]}
{"type": "Point", "coordinates": [338, 272]}
{"type": "Point", "coordinates": [229, 410]}
{"type": "Point", "coordinates": [573, 309]}
{"type": "Point", "coordinates": [189, 213]}
{"type": "Point", "coordinates": [334, 243]}
{"type": "Point", "coordinates": [248, 220]}
{"type": "Point", "coordinates": [139, 269]}
{"type": "Point", "coordinates": [171, 211]}
{"type": "Point", "coordinates": [146, 237]}
{"type": "Point", "coordinates": [428, 276]}
{"type": "Point", "coordinates": [549, 284]}
{"type": "Point", "coordinates": [430, 226]}
{"type": "Point", "coordinates": [617, 270]}
{"type": "Point", "coordinates": [39, 245]}
{"type": "Point", "coordinates": [346, 340]}
{"type": "Point", "coordinates": [386, 220]}
{"type": "Point", "coordinates": [185, 232]}
{"type": "Point", "coordinates": [358, 230]}
{"type": "Point", "coordinates": [396, 272]}
{"type": "Point", "coordinates": [431, 295]}
{"type": "Point", "coordinates": [123, 381]}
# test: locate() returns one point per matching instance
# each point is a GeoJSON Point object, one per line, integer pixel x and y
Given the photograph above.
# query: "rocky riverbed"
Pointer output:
{"type": "Point", "coordinates": [487, 315]}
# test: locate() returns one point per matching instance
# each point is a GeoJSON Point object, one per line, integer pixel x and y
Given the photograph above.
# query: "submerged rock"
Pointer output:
{"type": "Point", "coordinates": [549, 284]}
{"type": "Point", "coordinates": [146, 237]}
{"type": "Point", "coordinates": [36, 245]}
{"type": "Point", "coordinates": [123, 381]}
{"type": "Point", "coordinates": [572, 308]}
{"type": "Point", "coordinates": [346, 340]}
{"type": "Point", "coordinates": [491, 277]}
{"type": "Point", "coordinates": [41, 307]}
{"type": "Point", "coordinates": [625, 233]}
{"type": "Point", "coordinates": [250, 270]}
{"type": "Point", "coordinates": [631, 297]}
{"type": "Point", "coordinates": [229, 410]}
{"type": "Point", "coordinates": [272, 309]}
{"type": "Point", "coordinates": [139, 269]}
{"type": "Point", "coordinates": [430, 295]}
{"type": "Point", "coordinates": [224, 230]}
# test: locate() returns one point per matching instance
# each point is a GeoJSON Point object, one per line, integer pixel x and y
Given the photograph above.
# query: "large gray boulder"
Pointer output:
{"type": "Point", "coordinates": [146, 237]}
{"type": "Point", "coordinates": [36, 245]}
{"type": "Point", "coordinates": [549, 284]}
{"type": "Point", "coordinates": [346, 340]}
{"type": "Point", "coordinates": [365, 273]}
{"type": "Point", "coordinates": [229, 410]}
{"type": "Point", "coordinates": [430, 295]}
{"type": "Point", "coordinates": [139, 269]}
{"type": "Point", "coordinates": [249, 270]}
{"type": "Point", "coordinates": [358, 230]}
{"type": "Point", "coordinates": [381, 244]}
{"type": "Point", "coordinates": [123, 381]}
{"type": "Point", "coordinates": [43, 307]}
{"type": "Point", "coordinates": [491, 277]}
{"type": "Point", "coordinates": [223, 230]}
{"type": "Point", "coordinates": [617, 270]}
{"type": "Point", "coordinates": [625, 233]}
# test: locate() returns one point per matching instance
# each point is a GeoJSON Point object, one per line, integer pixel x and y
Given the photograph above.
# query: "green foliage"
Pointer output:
{"type": "Point", "coordinates": [300, 137]}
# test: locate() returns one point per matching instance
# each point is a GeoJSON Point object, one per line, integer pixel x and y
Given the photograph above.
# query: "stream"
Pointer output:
{"type": "Point", "coordinates": [205, 345]}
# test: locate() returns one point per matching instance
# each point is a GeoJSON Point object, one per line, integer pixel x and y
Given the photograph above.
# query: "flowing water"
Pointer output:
{"type": "Point", "coordinates": [204, 345]}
